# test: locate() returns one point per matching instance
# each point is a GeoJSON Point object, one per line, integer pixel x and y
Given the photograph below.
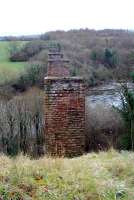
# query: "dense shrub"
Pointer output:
{"type": "Point", "coordinates": [103, 127]}
{"type": "Point", "coordinates": [22, 124]}
{"type": "Point", "coordinates": [95, 75]}
{"type": "Point", "coordinates": [27, 51]}
{"type": "Point", "coordinates": [126, 111]}
{"type": "Point", "coordinates": [32, 76]}
{"type": "Point", "coordinates": [107, 57]}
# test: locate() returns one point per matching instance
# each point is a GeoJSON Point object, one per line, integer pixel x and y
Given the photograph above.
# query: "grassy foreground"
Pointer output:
{"type": "Point", "coordinates": [103, 176]}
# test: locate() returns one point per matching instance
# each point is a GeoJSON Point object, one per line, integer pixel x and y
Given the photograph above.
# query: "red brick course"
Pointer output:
{"type": "Point", "coordinates": [64, 107]}
{"type": "Point", "coordinates": [65, 116]}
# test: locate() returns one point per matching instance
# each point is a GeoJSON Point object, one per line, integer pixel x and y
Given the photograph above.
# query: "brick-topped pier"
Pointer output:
{"type": "Point", "coordinates": [64, 109]}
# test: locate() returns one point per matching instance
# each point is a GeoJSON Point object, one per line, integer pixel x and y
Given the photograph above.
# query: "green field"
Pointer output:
{"type": "Point", "coordinates": [9, 70]}
{"type": "Point", "coordinates": [103, 176]}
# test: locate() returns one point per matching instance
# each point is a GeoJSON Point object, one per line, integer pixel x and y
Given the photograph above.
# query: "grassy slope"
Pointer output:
{"type": "Point", "coordinates": [8, 70]}
{"type": "Point", "coordinates": [100, 176]}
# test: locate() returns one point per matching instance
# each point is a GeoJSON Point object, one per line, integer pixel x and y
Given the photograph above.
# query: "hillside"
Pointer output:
{"type": "Point", "coordinates": [103, 176]}
{"type": "Point", "coordinates": [99, 56]}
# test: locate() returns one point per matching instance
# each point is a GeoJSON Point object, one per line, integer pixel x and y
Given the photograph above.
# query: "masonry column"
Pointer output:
{"type": "Point", "coordinates": [64, 109]}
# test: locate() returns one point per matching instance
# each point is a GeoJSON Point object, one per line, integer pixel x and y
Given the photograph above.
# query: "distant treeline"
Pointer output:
{"type": "Point", "coordinates": [24, 37]}
{"type": "Point", "coordinates": [46, 36]}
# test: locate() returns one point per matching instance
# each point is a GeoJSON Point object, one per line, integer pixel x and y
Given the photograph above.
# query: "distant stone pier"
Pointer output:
{"type": "Point", "coordinates": [64, 109]}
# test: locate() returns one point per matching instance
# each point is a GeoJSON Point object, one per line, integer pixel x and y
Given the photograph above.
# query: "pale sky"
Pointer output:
{"type": "Point", "coordinates": [19, 17]}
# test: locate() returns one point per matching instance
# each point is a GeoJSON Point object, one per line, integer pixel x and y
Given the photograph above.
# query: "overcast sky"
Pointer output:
{"type": "Point", "coordinates": [18, 17]}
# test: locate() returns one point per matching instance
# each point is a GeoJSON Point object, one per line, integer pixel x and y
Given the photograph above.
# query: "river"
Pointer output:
{"type": "Point", "coordinates": [107, 94]}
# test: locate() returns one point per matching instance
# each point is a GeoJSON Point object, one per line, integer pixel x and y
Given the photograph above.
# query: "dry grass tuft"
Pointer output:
{"type": "Point", "coordinates": [103, 176]}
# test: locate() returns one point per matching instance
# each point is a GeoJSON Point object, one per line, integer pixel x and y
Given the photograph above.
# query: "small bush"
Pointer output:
{"type": "Point", "coordinates": [103, 127]}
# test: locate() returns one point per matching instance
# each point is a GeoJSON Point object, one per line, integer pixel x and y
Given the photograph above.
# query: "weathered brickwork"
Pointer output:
{"type": "Point", "coordinates": [57, 65]}
{"type": "Point", "coordinates": [64, 116]}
